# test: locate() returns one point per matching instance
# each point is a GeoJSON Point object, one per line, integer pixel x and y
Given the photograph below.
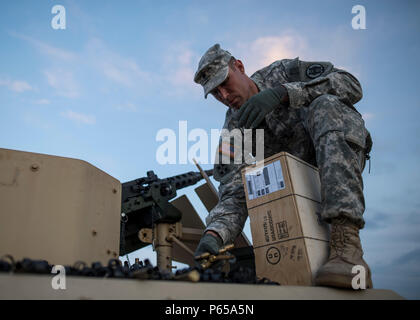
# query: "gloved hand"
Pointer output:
{"type": "Point", "coordinates": [208, 243]}
{"type": "Point", "coordinates": [254, 110]}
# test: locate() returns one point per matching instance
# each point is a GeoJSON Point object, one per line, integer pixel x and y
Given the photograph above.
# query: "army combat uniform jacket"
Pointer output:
{"type": "Point", "coordinates": [320, 126]}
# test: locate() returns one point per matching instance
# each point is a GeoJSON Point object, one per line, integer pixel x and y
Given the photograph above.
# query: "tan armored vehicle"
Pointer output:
{"type": "Point", "coordinates": [66, 211]}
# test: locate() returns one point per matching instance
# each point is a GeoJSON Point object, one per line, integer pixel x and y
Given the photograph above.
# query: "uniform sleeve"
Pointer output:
{"type": "Point", "coordinates": [318, 78]}
{"type": "Point", "coordinates": [228, 217]}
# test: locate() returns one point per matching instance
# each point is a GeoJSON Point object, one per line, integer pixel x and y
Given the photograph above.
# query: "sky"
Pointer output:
{"type": "Point", "coordinates": [101, 89]}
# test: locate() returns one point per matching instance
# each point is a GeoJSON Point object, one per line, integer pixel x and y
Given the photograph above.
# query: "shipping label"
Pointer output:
{"type": "Point", "coordinates": [264, 180]}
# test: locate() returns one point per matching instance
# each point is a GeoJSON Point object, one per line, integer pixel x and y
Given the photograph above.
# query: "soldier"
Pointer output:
{"type": "Point", "coordinates": [306, 109]}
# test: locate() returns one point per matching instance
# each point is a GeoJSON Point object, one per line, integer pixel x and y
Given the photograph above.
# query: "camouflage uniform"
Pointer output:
{"type": "Point", "coordinates": [320, 126]}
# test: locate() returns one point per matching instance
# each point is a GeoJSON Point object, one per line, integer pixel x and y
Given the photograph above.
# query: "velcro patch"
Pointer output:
{"type": "Point", "coordinates": [314, 70]}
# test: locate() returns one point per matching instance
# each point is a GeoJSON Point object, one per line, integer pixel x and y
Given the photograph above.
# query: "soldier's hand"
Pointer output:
{"type": "Point", "coordinates": [254, 110]}
{"type": "Point", "coordinates": [209, 243]}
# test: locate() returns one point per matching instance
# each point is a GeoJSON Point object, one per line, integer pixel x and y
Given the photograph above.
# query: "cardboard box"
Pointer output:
{"type": "Point", "coordinates": [57, 209]}
{"type": "Point", "coordinates": [283, 199]}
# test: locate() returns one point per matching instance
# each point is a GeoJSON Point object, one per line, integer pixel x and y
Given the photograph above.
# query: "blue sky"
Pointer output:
{"type": "Point", "coordinates": [101, 89]}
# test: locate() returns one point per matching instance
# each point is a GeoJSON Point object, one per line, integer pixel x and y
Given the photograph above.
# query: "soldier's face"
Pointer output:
{"type": "Point", "coordinates": [235, 90]}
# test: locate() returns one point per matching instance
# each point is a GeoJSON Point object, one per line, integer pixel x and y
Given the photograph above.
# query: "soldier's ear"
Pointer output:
{"type": "Point", "coordinates": [240, 66]}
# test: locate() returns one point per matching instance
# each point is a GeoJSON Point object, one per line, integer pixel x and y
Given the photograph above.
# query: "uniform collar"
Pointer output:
{"type": "Point", "coordinates": [260, 84]}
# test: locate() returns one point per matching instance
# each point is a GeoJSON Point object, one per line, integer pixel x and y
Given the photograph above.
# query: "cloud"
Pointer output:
{"type": "Point", "coordinates": [51, 51]}
{"type": "Point", "coordinates": [122, 70]}
{"type": "Point", "coordinates": [412, 256]}
{"type": "Point", "coordinates": [400, 273]}
{"type": "Point", "coordinates": [37, 121]}
{"type": "Point", "coordinates": [63, 81]}
{"type": "Point", "coordinates": [79, 117]}
{"type": "Point", "coordinates": [43, 101]}
{"type": "Point", "coordinates": [368, 116]}
{"type": "Point", "coordinates": [198, 16]}
{"type": "Point", "coordinates": [393, 233]}
{"type": "Point", "coordinates": [179, 65]}
{"type": "Point", "coordinates": [182, 76]}
{"type": "Point", "coordinates": [175, 77]}
{"type": "Point", "coordinates": [339, 47]}
{"type": "Point", "coordinates": [183, 73]}
{"type": "Point", "coordinates": [376, 220]}
{"type": "Point", "coordinates": [265, 50]}
{"type": "Point", "coordinates": [127, 107]}
{"type": "Point", "coordinates": [16, 85]}
{"type": "Point", "coordinates": [60, 75]}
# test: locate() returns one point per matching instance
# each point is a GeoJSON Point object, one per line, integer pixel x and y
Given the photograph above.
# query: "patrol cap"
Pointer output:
{"type": "Point", "coordinates": [213, 68]}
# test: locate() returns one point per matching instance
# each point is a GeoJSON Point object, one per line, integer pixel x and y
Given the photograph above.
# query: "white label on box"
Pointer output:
{"type": "Point", "coordinates": [265, 180]}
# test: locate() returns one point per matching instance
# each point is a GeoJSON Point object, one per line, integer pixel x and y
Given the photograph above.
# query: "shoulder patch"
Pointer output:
{"type": "Point", "coordinates": [314, 70]}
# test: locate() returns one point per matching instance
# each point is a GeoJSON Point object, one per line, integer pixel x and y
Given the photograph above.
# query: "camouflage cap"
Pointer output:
{"type": "Point", "coordinates": [213, 68]}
